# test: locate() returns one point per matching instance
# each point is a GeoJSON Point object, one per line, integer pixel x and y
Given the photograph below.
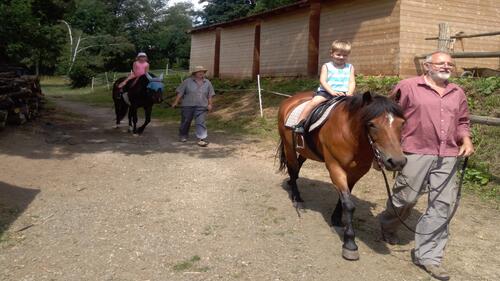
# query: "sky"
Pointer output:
{"type": "Point", "coordinates": [196, 5]}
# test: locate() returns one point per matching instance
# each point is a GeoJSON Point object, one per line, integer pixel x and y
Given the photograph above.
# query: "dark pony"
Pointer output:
{"type": "Point", "coordinates": [143, 91]}
{"type": "Point", "coordinates": [342, 143]}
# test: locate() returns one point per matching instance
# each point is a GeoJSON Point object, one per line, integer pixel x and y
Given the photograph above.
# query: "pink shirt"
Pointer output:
{"type": "Point", "coordinates": [140, 68]}
{"type": "Point", "coordinates": [435, 125]}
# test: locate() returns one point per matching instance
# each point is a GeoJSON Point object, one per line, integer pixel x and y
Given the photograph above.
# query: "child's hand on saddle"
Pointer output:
{"type": "Point", "coordinates": [209, 107]}
{"type": "Point", "coordinates": [337, 94]}
{"type": "Point", "coordinates": [174, 105]}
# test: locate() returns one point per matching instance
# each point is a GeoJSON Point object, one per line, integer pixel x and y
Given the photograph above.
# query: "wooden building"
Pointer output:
{"type": "Point", "coordinates": [386, 36]}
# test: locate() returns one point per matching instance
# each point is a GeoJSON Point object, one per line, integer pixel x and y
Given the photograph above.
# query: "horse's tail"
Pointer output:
{"type": "Point", "coordinates": [121, 107]}
{"type": "Point", "coordinates": [281, 154]}
{"type": "Point", "coordinates": [121, 111]}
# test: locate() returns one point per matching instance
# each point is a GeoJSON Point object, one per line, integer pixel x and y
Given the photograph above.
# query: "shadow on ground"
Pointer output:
{"type": "Point", "coordinates": [321, 197]}
{"type": "Point", "coordinates": [13, 201]}
{"type": "Point", "coordinates": [73, 128]}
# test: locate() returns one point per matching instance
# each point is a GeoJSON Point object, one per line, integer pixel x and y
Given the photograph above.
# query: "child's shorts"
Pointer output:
{"type": "Point", "coordinates": [324, 94]}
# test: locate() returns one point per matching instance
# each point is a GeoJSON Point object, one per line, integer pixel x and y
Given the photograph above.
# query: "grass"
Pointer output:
{"type": "Point", "coordinates": [189, 265]}
{"type": "Point", "coordinates": [237, 112]}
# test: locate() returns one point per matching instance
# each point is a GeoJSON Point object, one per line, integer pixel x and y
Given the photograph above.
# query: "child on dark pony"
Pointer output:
{"type": "Point", "coordinates": [139, 68]}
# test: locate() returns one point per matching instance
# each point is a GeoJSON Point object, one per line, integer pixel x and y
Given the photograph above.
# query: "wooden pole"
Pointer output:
{"type": "Point", "coordinates": [313, 43]}
{"type": "Point", "coordinates": [217, 53]}
{"type": "Point", "coordinates": [469, 55]}
{"type": "Point", "coordinates": [444, 37]}
{"type": "Point", "coordinates": [256, 51]}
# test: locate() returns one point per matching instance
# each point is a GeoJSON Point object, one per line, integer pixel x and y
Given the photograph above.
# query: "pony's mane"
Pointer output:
{"type": "Point", "coordinates": [143, 80]}
{"type": "Point", "coordinates": [378, 105]}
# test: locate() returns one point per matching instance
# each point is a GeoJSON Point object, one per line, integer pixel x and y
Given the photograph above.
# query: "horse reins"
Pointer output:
{"type": "Point", "coordinates": [377, 155]}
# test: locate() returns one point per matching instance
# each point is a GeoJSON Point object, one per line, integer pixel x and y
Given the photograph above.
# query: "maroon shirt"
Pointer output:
{"type": "Point", "coordinates": [435, 125]}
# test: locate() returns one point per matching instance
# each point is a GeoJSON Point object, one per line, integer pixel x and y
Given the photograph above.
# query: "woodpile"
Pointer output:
{"type": "Point", "coordinates": [20, 96]}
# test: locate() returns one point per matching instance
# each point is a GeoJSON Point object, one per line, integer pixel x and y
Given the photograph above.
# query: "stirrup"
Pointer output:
{"type": "Point", "coordinates": [299, 141]}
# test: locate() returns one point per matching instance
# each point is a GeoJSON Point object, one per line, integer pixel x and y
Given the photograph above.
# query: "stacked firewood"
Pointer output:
{"type": "Point", "coordinates": [20, 96]}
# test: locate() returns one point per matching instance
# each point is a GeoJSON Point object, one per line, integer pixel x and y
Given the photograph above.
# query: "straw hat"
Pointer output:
{"type": "Point", "coordinates": [199, 68]}
{"type": "Point", "coordinates": [142, 54]}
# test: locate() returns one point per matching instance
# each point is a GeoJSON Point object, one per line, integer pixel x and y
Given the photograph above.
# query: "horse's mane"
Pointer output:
{"type": "Point", "coordinates": [143, 80]}
{"type": "Point", "coordinates": [370, 110]}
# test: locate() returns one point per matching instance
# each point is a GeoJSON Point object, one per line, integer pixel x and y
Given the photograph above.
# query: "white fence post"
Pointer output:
{"type": "Point", "coordinates": [166, 70]}
{"type": "Point", "coordinates": [107, 83]}
{"type": "Point", "coordinates": [92, 85]}
{"type": "Point", "coordinates": [260, 96]}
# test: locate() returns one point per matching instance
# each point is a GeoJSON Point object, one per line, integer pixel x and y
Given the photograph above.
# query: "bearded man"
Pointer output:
{"type": "Point", "coordinates": [435, 134]}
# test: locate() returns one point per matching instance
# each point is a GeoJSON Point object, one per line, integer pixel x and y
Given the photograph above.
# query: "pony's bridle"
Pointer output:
{"type": "Point", "coordinates": [378, 157]}
{"type": "Point", "coordinates": [376, 151]}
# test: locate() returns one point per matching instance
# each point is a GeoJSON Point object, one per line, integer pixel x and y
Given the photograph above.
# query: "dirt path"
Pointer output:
{"type": "Point", "coordinates": [83, 201]}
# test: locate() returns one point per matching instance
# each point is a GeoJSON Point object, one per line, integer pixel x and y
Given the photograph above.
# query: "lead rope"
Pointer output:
{"type": "Point", "coordinates": [376, 152]}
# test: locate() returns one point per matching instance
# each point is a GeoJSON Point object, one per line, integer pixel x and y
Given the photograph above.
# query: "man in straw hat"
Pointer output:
{"type": "Point", "coordinates": [196, 93]}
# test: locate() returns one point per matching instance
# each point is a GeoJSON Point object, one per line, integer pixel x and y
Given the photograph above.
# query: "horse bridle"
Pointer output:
{"type": "Point", "coordinates": [378, 157]}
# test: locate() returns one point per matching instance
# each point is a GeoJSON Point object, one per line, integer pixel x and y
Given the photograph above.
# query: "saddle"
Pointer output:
{"type": "Point", "coordinates": [315, 120]}
{"type": "Point", "coordinates": [317, 117]}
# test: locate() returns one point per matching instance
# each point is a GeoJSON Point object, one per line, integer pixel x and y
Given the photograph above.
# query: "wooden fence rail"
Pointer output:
{"type": "Point", "coordinates": [485, 120]}
{"type": "Point", "coordinates": [468, 55]}
{"type": "Point", "coordinates": [459, 36]}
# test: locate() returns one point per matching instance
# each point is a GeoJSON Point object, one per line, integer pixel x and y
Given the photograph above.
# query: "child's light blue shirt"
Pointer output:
{"type": "Point", "coordinates": [337, 78]}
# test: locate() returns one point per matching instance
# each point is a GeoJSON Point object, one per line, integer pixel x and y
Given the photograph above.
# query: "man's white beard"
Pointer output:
{"type": "Point", "coordinates": [443, 76]}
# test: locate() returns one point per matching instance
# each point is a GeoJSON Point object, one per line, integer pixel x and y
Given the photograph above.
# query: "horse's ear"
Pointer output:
{"type": "Point", "coordinates": [397, 96]}
{"type": "Point", "coordinates": [149, 76]}
{"type": "Point", "coordinates": [367, 97]}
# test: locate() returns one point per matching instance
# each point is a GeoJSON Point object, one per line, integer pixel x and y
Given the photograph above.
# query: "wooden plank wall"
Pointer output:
{"type": "Point", "coordinates": [371, 26]}
{"type": "Point", "coordinates": [203, 51]}
{"type": "Point", "coordinates": [237, 51]}
{"type": "Point", "coordinates": [284, 44]}
{"type": "Point", "coordinates": [420, 19]}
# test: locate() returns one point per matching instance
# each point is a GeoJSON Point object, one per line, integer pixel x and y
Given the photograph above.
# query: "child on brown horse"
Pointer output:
{"type": "Point", "coordinates": [336, 79]}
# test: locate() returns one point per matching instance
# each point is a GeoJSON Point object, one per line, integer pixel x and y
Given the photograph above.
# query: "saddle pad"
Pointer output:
{"type": "Point", "coordinates": [292, 119]}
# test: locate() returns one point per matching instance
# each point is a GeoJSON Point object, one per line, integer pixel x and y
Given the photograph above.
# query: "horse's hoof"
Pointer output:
{"type": "Point", "coordinates": [298, 205]}
{"type": "Point", "coordinates": [350, 255]}
{"type": "Point", "coordinates": [116, 127]}
{"type": "Point", "coordinates": [338, 224]}
{"type": "Point", "coordinates": [135, 134]}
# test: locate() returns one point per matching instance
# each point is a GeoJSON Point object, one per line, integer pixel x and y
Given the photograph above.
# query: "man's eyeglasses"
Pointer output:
{"type": "Point", "coordinates": [442, 64]}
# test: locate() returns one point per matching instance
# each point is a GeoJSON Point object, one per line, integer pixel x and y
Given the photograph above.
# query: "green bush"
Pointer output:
{"type": "Point", "coordinates": [80, 76]}
{"type": "Point", "coordinates": [378, 84]}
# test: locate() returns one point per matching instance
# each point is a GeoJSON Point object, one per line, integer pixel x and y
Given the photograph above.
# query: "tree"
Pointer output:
{"type": "Point", "coordinates": [265, 5]}
{"type": "Point", "coordinates": [28, 33]}
{"type": "Point", "coordinates": [171, 40]}
{"type": "Point", "coordinates": [224, 10]}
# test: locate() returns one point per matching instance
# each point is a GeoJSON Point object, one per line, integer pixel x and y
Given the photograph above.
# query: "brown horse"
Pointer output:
{"type": "Point", "coordinates": [343, 144]}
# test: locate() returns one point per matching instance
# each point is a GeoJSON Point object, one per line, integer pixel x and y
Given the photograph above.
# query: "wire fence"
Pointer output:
{"type": "Point", "coordinates": [173, 77]}
{"type": "Point", "coordinates": [108, 78]}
